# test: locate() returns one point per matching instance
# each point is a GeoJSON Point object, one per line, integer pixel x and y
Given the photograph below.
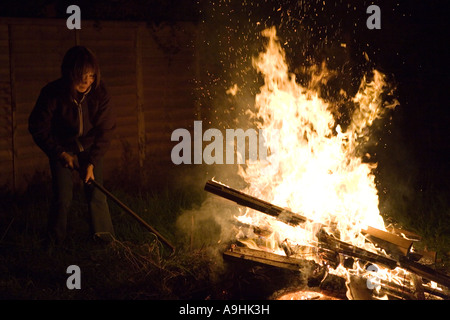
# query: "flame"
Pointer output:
{"type": "Point", "coordinates": [313, 166]}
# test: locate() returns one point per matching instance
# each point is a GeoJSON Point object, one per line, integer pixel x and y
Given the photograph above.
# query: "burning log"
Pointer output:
{"type": "Point", "coordinates": [265, 257]}
{"type": "Point", "coordinates": [400, 256]}
{"type": "Point", "coordinates": [253, 203]}
{"type": "Point", "coordinates": [346, 249]}
{"type": "Point", "coordinates": [403, 245]}
{"type": "Point", "coordinates": [329, 250]}
{"type": "Point", "coordinates": [389, 241]}
{"type": "Point", "coordinates": [304, 251]}
{"type": "Point", "coordinates": [424, 271]}
{"type": "Point", "coordinates": [315, 274]}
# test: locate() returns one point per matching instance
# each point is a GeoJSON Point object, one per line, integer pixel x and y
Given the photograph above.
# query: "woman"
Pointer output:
{"type": "Point", "coordinates": [73, 122]}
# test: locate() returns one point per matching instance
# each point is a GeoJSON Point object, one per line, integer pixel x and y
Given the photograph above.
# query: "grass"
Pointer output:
{"type": "Point", "coordinates": [426, 213]}
{"type": "Point", "coordinates": [137, 266]}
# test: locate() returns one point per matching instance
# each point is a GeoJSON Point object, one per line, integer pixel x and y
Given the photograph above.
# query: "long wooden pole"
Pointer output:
{"type": "Point", "coordinates": [131, 212]}
{"type": "Point", "coordinates": [128, 210]}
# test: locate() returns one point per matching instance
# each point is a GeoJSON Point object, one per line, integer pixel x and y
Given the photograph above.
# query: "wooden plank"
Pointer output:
{"type": "Point", "coordinates": [109, 35]}
{"type": "Point", "coordinates": [13, 91]}
{"type": "Point", "coordinates": [405, 233]}
{"type": "Point", "coordinates": [264, 257]}
{"type": "Point", "coordinates": [6, 149]}
{"type": "Point", "coordinates": [124, 89]}
{"type": "Point", "coordinates": [38, 51]}
{"type": "Point", "coordinates": [140, 98]}
{"type": "Point", "coordinates": [404, 245]}
{"type": "Point", "coordinates": [184, 114]}
{"type": "Point", "coordinates": [62, 22]}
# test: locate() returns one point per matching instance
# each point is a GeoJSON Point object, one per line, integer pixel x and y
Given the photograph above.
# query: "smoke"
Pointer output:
{"type": "Point", "coordinates": [208, 225]}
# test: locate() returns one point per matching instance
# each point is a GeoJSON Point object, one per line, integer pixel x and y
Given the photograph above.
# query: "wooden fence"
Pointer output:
{"type": "Point", "coordinates": [150, 73]}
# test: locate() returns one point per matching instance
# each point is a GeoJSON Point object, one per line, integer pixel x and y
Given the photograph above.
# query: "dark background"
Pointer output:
{"type": "Point", "coordinates": [413, 147]}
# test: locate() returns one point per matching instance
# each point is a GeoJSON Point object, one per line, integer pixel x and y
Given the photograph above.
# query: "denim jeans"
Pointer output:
{"type": "Point", "coordinates": [62, 187]}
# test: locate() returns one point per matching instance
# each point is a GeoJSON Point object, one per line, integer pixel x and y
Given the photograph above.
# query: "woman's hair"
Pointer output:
{"type": "Point", "coordinates": [77, 61]}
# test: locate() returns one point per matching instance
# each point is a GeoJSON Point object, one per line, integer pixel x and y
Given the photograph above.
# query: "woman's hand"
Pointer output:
{"type": "Point", "coordinates": [68, 160]}
{"type": "Point", "coordinates": [89, 173]}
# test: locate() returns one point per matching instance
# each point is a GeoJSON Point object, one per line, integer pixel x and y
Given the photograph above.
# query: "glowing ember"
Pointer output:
{"type": "Point", "coordinates": [306, 295]}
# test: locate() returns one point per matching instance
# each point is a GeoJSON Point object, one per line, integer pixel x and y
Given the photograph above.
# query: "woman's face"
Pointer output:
{"type": "Point", "coordinates": [87, 80]}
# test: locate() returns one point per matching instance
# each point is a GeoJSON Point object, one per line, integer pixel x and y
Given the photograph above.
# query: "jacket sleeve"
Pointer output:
{"type": "Point", "coordinates": [40, 125]}
{"type": "Point", "coordinates": [104, 126]}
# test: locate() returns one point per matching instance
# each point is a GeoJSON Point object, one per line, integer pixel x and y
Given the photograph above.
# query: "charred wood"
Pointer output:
{"type": "Point", "coordinates": [292, 218]}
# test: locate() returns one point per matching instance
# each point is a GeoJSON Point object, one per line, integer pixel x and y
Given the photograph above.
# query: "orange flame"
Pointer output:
{"type": "Point", "coordinates": [312, 166]}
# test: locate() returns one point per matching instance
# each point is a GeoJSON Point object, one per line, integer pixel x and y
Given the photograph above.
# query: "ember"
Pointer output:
{"type": "Point", "coordinates": [305, 295]}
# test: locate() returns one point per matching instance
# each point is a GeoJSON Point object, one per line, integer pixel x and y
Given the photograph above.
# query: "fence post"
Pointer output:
{"type": "Point", "coordinates": [12, 81]}
{"type": "Point", "coordinates": [140, 99]}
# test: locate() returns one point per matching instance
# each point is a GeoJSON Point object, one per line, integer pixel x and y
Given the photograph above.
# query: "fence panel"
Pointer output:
{"type": "Point", "coordinates": [149, 72]}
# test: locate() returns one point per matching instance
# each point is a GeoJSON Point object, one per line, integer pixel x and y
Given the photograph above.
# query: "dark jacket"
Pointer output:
{"type": "Point", "coordinates": [55, 122]}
